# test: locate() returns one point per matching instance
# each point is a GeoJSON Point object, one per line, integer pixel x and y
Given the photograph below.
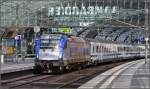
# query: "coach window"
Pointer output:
{"type": "Point", "coordinates": [119, 49]}
{"type": "Point", "coordinates": [93, 49]}
{"type": "Point", "coordinates": [139, 49]}
{"type": "Point", "coordinates": [107, 50]}
{"type": "Point", "coordinates": [102, 49]}
{"type": "Point", "coordinates": [124, 48]}
{"type": "Point", "coordinates": [128, 49]}
{"type": "Point", "coordinates": [97, 49]}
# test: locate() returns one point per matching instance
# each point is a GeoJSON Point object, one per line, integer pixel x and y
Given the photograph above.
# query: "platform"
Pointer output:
{"type": "Point", "coordinates": [132, 75]}
{"type": "Point", "coordinates": [14, 67]}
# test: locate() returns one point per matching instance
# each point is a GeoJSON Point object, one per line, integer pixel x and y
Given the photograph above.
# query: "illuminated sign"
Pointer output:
{"type": "Point", "coordinates": [65, 30]}
{"type": "Point", "coordinates": [83, 10]}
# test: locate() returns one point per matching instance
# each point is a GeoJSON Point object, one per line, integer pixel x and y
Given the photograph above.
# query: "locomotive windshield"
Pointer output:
{"type": "Point", "coordinates": [49, 47]}
{"type": "Point", "coordinates": [49, 41]}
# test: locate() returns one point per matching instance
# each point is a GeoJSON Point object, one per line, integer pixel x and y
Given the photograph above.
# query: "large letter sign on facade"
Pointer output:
{"type": "Point", "coordinates": [114, 9]}
{"type": "Point", "coordinates": [75, 10]}
{"type": "Point", "coordinates": [51, 11]}
{"type": "Point", "coordinates": [68, 10]}
{"type": "Point", "coordinates": [82, 11]}
{"type": "Point", "coordinates": [58, 10]}
{"type": "Point", "coordinates": [90, 10]}
{"type": "Point", "coordinates": [98, 10]}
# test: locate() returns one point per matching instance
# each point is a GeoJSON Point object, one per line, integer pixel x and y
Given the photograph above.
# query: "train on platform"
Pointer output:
{"type": "Point", "coordinates": [59, 52]}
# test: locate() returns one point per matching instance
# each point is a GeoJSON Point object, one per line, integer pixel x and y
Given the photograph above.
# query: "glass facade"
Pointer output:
{"type": "Point", "coordinates": [28, 13]}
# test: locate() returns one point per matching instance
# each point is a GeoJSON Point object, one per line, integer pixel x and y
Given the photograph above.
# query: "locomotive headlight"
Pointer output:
{"type": "Point", "coordinates": [56, 48]}
{"type": "Point", "coordinates": [146, 39]}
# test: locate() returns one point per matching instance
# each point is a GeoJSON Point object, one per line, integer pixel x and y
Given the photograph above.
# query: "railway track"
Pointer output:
{"type": "Point", "coordinates": [71, 80]}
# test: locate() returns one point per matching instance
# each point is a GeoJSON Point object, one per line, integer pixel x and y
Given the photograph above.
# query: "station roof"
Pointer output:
{"type": "Point", "coordinates": [27, 13]}
{"type": "Point", "coordinates": [126, 25]}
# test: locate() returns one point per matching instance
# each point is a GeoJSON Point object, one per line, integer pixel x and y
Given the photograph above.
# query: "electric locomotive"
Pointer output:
{"type": "Point", "coordinates": [57, 52]}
